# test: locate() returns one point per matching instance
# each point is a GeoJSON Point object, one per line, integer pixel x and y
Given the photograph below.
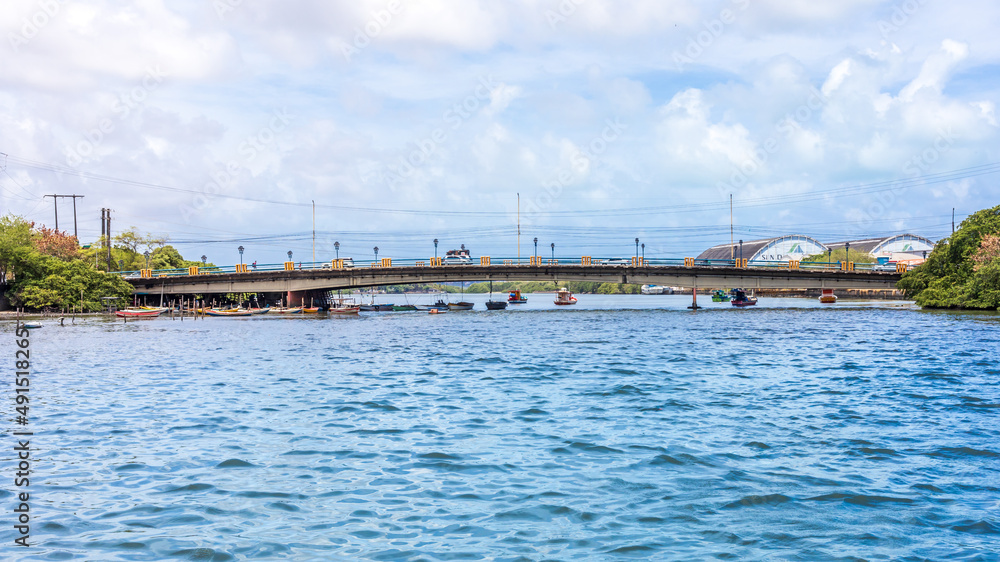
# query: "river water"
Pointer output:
{"type": "Point", "coordinates": [626, 427]}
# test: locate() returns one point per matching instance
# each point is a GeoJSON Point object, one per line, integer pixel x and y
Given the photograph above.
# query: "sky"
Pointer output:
{"type": "Point", "coordinates": [219, 123]}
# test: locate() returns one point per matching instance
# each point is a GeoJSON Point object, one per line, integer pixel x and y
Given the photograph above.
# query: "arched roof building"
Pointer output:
{"type": "Point", "coordinates": [782, 248]}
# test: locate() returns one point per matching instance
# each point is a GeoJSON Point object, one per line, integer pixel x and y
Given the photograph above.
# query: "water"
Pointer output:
{"type": "Point", "coordinates": [625, 427]}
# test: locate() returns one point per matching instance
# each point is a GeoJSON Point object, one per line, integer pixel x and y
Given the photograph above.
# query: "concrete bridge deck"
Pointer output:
{"type": "Point", "coordinates": [770, 277]}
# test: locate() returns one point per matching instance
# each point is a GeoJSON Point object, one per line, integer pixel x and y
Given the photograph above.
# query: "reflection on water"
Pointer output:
{"type": "Point", "coordinates": [623, 427]}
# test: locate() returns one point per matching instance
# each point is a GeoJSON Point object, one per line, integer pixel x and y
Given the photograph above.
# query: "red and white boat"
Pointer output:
{"type": "Point", "coordinates": [140, 312]}
{"type": "Point", "coordinates": [828, 297]}
{"type": "Point", "coordinates": [564, 297]}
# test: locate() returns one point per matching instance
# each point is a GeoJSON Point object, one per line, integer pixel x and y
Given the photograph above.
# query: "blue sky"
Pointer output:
{"type": "Point", "coordinates": [224, 120]}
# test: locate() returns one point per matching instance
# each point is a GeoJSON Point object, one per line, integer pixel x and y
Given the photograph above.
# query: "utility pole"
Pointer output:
{"type": "Point", "coordinates": [314, 232]}
{"type": "Point", "coordinates": [55, 199]}
{"type": "Point", "coordinates": [732, 248]}
{"type": "Point", "coordinates": [953, 221]}
{"type": "Point", "coordinates": [519, 228]}
{"type": "Point", "coordinates": [104, 225]}
{"type": "Point", "coordinates": [109, 239]}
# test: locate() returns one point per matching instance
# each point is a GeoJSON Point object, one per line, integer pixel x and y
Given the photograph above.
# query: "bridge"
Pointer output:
{"type": "Point", "coordinates": [688, 272]}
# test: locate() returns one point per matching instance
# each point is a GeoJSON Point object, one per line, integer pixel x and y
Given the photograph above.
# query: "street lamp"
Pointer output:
{"type": "Point", "coordinates": [289, 255]}
{"type": "Point", "coordinates": [376, 253]}
{"type": "Point", "coordinates": [204, 259]}
{"type": "Point", "coordinates": [121, 265]}
{"type": "Point", "coordinates": [741, 253]}
{"type": "Point", "coordinates": [146, 253]}
{"type": "Point", "coordinates": [553, 251]}
{"type": "Point", "coordinates": [435, 247]}
{"type": "Point", "coordinates": [829, 256]}
{"type": "Point", "coordinates": [637, 247]}
{"type": "Point", "coordinates": [643, 251]}
{"type": "Point", "coordinates": [847, 252]}
{"type": "Point", "coordinates": [241, 254]}
{"type": "Point", "coordinates": [336, 246]}
{"type": "Point", "coordinates": [536, 246]}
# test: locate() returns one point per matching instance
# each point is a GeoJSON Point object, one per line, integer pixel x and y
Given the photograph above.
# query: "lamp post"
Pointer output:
{"type": "Point", "coordinates": [435, 247]}
{"type": "Point", "coordinates": [643, 251]}
{"type": "Point", "coordinates": [637, 247]}
{"type": "Point", "coordinates": [376, 253]}
{"type": "Point", "coordinates": [829, 256]}
{"type": "Point", "coordinates": [204, 259]}
{"type": "Point", "coordinates": [121, 265]}
{"type": "Point", "coordinates": [536, 247]}
{"type": "Point", "coordinates": [741, 253]}
{"type": "Point", "coordinates": [240, 249]}
{"type": "Point", "coordinates": [146, 253]}
{"type": "Point", "coordinates": [847, 252]}
{"type": "Point", "coordinates": [289, 255]}
{"type": "Point", "coordinates": [336, 247]}
{"type": "Point", "coordinates": [553, 251]}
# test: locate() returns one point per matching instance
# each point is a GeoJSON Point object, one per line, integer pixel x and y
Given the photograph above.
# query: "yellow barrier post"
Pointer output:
{"type": "Point", "coordinates": [508, 262]}
{"type": "Point", "coordinates": [289, 266]}
{"type": "Point", "coordinates": [850, 266]}
{"type": "Point", "coordinates": [386, 262]}
{"type": "Point", "coordinates": [585, 260]}
{"type": "Point", "coordinates": [484, 260]}
{"type": "Point", "coordinates": [900, 268]}
{"type": "Point", "coordinates": [793, 264]}
{"type": "Point", "coordinates": [420, 264]}
{"type": "Point", "coordinates": [688, 262]}
{"type": "Point", "coordinates": [193, 270]}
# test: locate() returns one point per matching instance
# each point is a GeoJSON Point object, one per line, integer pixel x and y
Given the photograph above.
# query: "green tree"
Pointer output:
{"type": "Point", "coordinates": [963, 271]}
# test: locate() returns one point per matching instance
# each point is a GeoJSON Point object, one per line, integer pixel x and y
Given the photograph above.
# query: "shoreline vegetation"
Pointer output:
{"type": "Point", "coordinates": [963, 270]}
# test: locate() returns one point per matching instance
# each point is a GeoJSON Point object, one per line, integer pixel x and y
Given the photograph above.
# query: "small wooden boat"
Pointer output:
{"type": "Point", "coordinates": [565, 297]}
{"type": "Point", "coordinates": [286, 310]}
{"type": "Point", "coordinates": [492, 304]}
{"type": "Point", "coordinates": [310, 310]}
{"type": "Point", "coordinates": [515, 297]}
{"type": "Point", "coordinates": [720, 296]}
{"type": "Point", "coordinates": [241, 312]}
{"type": "Point", "coordinates": [828, 297]}
{"type": "Point", "coordinates": [439, 305]}
{"type": "Point", "coordinates": [741, 299]}
{"type": "Point", "coordinates": [403, 308]}
{"type": "Point", "coordinates": [260, 310]}
{"type": "Point", "coordinates": [139, 313]}
{"type": "Point", "coordinates": [437, 310]}
{"type": "Point", "coordinates": [336, 309]}
{"type": "Point", "coordinates": [462, 305]}
{"type": "Point", "coordinates": [31, 326]}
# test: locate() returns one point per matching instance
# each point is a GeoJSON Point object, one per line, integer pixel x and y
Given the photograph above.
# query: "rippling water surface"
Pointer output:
{"type": "Point", "coordinates": [624, 427]}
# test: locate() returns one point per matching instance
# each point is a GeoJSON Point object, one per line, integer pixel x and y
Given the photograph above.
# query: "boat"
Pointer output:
{"type": "Point", "coordinates": [310, 310]}
{"type": "Point", "coordinates": [564, 296]}
{"type": "Point", "coordinates": [403, 308]}
{"type": "Point", "coordinates": [495, 305]}
{"type": "Point", "coordinates": [345, 309]}
{"type": "Point", "coordinates": [656, 290]}
{"type": "Point", "coordinates": [437, 310]}
{"type": "Point", "coordinates": [31, 326]}
{"type": "Point", "coordinates": [515, 297]}
{"type": "Point", "coordinates": [139, 313]}
{"type": "Point", "coordinates": [720, 296]}
{"type": "Point", "coordinates": [741, 299]}
{"type": "Point", "coordinates": [461, 305]}
{"type": "Point", "coordinates": [244, 312]}
{"type": "Point", "coordinates": [286, 310]}
{"type": "Point", "coordinates": [440, 305]}
{"type": "Point", "coordinates": [260, 310]}
{"type": "Point", "coordinates": [376, 307]}
{"type": "Point", "coordinates": [828, 297]}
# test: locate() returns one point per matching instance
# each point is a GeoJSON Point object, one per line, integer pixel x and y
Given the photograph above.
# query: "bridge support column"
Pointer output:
{"type": "Point", "coordinates": [694, 298]}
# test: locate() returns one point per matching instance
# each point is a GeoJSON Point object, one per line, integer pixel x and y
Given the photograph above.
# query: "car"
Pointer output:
{"type": "Point", "coordinates": [884, 267]}
{"type": "Point", "coordinates": [617, 261]}
{"type": "Point", "coordinates": [456, 260]}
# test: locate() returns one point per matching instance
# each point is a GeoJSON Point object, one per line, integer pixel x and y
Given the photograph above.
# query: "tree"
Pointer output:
{"type": "Point", "coordinates": [131, 240]}
{"type": "Point", "coordinates": [963, 270]}
{"type": "Point", "coordinates": [15, 245]}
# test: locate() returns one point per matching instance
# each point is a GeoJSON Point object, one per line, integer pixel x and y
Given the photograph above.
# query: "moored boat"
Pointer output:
{"type": "Point", "coordinates": [241, 312]}
{"type": "Point", "coordinates": [564, 297]}
{"type": "Point", "coordinates": [461, 305]}
{"type": "Point", "coordinates": [492, 304]}
{"type": "Point", "coordinates": [286, 310]}
{"type": "Point", "coordinates": [741, 299]}
{"type": "Point", "coordinates": [345, 309]}
{"type": "Point", "coordinates": [720, 296]}
{"type": "Point", "coordinates": [515, 297]}
{"type": "Point", "coordinates": [260, 310]}
{"type": "Point", "coordinates": [403, 308]}
{"type": "Point", "coordinates": [828, 297]}
{"type": "Point", "coordinates": [140, 312]}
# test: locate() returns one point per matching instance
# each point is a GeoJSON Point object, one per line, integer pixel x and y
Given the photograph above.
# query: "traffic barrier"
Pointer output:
{"type": "Point", "coordinates": [793, 264]}
{"type": "Point", "coordinates": [534, 261]}
{"type": "Point", "coordinates": [436, 261]}
{"type": "Point", "coordinates": [552, 262]}
{"type": "Point", "coordinates": [145, 273]}
{"type": "Point", "coordinates": [508, 262]}
{"type": "Point", "coordinates": [900, 268]}
{"type": "Point", "coordinates": [741, 263]}
{"type": "Point", "coordinates": [242, 268]}
{"type": "Point", "coordinates": [337, 264]}
{"type": "Point", "coordinates": [193, 270]}
{"type": "Point", "coordinates": [585, 260]}
{"type": "Point", "coordinates": [484, 260]}
{"type": "Point", "coordinates": [289, 266]}
{"type": "Point", "coordinates": [386, 262]}
{"type": "Point", "coordinates": [420, 264]}
{"type": "Point", "coordinates": [688, 262]}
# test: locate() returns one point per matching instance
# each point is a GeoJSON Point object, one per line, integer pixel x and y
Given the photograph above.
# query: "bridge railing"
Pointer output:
{"type": "Point", "coordinates": [488, 261]}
